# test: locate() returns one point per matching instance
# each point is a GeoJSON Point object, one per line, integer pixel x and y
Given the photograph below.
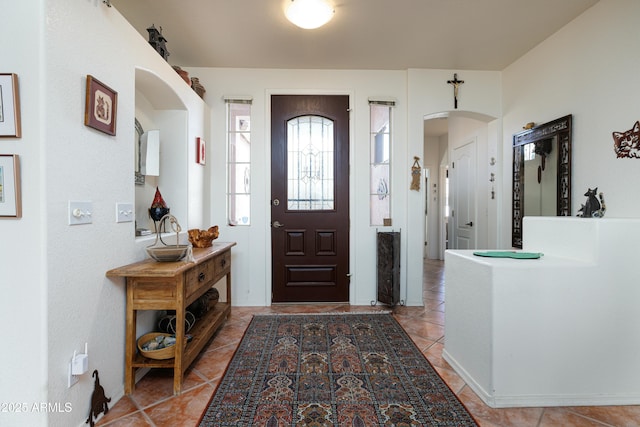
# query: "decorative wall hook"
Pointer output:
{"type": "Point", "coordinates": [416, 173]}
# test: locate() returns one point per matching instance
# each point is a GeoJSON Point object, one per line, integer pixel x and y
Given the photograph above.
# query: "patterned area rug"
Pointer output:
{"type": "Point", "coordinates": [331, 370]}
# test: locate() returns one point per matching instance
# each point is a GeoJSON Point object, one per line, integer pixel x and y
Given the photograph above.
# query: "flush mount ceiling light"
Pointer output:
{"type": "Point", "coordinates": [309, 14]}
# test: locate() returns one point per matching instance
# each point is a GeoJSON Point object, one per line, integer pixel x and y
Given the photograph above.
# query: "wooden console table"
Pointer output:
{"type": "Point", "coordinates": [153, 285]}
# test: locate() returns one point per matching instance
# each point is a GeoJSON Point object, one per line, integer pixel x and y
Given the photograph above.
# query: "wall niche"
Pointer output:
{"type": "Point", "coordinates": [158, 107]}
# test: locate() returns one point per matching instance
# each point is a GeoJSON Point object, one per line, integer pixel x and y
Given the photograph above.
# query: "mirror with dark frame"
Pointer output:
{"type": "Point", "coordinates": [139, 177]}
{"type": "Point", "coordinates": [541, 173]}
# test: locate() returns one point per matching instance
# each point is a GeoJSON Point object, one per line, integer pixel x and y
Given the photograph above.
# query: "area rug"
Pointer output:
{"type": "Point", "coordinates": [331, 370]}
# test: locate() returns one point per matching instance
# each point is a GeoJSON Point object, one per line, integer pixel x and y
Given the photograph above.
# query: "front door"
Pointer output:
{"type": "Point", "coordinates": [310, 198]}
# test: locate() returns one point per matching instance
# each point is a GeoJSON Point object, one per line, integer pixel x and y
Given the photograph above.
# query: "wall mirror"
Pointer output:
{"type": "Point", "coordinates": [139, 177]}
{"type": "Point", "coordinates": [541, 173]}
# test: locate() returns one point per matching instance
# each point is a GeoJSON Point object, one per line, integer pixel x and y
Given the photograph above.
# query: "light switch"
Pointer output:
{"type": "Point", "coordinates": [80, 212]}
{"type": "Point", "coordinates": [124, 212]}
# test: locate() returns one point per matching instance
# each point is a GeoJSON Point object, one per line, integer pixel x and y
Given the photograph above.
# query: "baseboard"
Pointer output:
{"type": "Point", "coordinates": [483, 394]}
{"type": "Point", "coordinates": [564, 400]}
{"type": "Point", "coordinates": [523, 401]}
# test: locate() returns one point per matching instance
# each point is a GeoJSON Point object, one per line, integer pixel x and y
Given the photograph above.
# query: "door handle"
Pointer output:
{"type": "Point", "coordinates": [470, 224]}
{"type": "Point", "coordinates": [276, 224]}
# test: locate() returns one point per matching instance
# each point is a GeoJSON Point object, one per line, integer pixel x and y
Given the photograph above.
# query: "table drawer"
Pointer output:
{"type": "Point", "coordinates": [222, 264]}
{"type": "Point", "coordinates": [199, 276]}
{"type": "Point", "coordinates": [150, 290]}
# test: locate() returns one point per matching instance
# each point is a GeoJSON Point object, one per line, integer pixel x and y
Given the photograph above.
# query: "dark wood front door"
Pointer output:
{"type": "Point", "coordinates": [310, 198]}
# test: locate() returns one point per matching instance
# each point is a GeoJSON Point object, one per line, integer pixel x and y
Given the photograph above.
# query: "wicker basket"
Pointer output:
{"type": "Point", "coordinates": [160, 354]}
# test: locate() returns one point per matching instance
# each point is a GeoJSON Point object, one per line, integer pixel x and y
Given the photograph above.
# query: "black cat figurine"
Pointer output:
{"type": "Point", "coordinates": [592, 208]}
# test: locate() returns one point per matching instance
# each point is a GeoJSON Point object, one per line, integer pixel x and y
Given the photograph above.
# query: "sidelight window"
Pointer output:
{"type": "Point", "coordinates": [239, 161]}
{"type": "Point", "coordinates": [380, 162]}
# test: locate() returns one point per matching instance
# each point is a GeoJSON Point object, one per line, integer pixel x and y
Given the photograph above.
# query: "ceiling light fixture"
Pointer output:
{"type": "Point", "coordinates": [309, 14]}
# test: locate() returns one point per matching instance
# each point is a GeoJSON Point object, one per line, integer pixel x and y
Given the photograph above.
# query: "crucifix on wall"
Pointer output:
{"type": "Point", "coordinates": [456, 85]}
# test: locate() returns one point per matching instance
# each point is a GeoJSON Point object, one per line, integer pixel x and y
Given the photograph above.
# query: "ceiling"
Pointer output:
{"type": "Point", "coordinates": [363, 34]}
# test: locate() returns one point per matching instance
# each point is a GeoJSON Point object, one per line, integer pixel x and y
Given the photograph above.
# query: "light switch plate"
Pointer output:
{"type": "Point", "coordinates": [80, 212]}
{"type": "Point", "coordinates": [124, 212]}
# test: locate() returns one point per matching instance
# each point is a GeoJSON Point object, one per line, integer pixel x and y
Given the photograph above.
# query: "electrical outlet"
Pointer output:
{"type": "Point", "coordinates": [72, 379]}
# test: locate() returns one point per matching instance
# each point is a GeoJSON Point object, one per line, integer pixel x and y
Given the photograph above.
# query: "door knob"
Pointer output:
{"type": "Point", "coordinates": [277, 224]}
{"type": "Point", "coordinates": [470, 224]}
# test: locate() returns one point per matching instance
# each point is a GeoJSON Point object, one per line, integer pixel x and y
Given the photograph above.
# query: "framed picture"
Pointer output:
{"type": "Point", "coordinates": [101, 106]}
{"type": "Point", "coordinates": [10, 201]}
{"type": "Point", "coordinates": [201, 153]}
{"type": "Point", "coordinates": [9, 106]}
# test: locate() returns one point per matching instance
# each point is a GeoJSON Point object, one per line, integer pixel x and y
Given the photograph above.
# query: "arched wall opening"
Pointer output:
{"type": "Point", "coordinates": [444, 132]}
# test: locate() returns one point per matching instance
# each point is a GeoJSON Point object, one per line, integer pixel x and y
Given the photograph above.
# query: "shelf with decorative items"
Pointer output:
{"type": "Point", "coordinates": [174, 286]}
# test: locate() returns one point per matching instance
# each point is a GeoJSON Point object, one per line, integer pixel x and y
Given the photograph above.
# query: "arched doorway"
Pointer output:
{"type": "Point", "coordinates": [445, 133]}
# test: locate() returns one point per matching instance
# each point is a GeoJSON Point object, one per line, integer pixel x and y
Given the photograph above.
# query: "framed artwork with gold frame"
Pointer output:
{"type": "Point", "coordinates": [10, 200]}
{"type": "Point", "coordinates": [9, 106]}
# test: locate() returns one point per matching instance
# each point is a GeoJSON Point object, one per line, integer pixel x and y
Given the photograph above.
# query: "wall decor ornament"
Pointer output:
{"type": "Point", "coordinates": [99, 401]}
{"type": "Point", "coordinates": [416, 173]}
{"type": "Point", "coordinates": [627, 143]}
{"type": "Point", "coordinates": [10, 200]}
{"type": "Point", "coordinates": [9, 106]}
{"type": "Point", "coordinates": [101, 106]}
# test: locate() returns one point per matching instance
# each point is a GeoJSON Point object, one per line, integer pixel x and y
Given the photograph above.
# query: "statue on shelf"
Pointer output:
{"type": "Point", "coordinates": [593, 208]}
{"type": "Point", "coordinates": [158, 207]}
{"type": "Point", "coordinates": [157, 40]}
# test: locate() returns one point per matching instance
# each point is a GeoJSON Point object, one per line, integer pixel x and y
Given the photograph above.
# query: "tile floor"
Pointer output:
{"type": "Point", "coordinates": [153, 404]}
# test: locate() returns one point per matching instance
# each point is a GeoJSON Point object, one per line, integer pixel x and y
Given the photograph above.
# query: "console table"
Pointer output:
{"type": "Point", "coordinates": [153, 285]}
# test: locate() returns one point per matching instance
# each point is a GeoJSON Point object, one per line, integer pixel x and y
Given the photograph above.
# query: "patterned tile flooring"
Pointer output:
{"type": "Point", "coordinates": [153, 404]}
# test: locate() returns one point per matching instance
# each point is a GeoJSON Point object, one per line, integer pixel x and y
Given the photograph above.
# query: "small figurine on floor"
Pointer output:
{"type": "Point", "coordinates": [98, 401]}
{"type": "Point", "coordinates": [593, 208]}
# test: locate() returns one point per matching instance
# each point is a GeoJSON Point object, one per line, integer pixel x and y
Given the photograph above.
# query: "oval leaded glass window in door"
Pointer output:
{"type": "Point", "coordinates": [310, 164]}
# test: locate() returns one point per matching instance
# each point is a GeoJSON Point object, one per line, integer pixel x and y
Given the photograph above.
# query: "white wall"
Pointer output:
{"type": "Point", "coordinates": [53, 280]}
{"type": "Point", "coordinates": [429, 94]}
{"type": "Point", "coordinates": [23, 251]}
{"type": "Point", "coordinates": [585, 69]}
{"type": "Point", "coordinates": [252, 277]}
{"type": "Point", "coordinates": [55, 294]}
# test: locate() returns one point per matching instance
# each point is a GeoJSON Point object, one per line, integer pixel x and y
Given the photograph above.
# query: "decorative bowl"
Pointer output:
{"type": "Point", "coordinates": [168, 253]}
{"type": "Point", "coordinates": [164, 351]}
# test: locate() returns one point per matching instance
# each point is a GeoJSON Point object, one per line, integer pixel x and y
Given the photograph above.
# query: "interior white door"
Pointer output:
{"type": "Point", "coordinates": [463, 184]}
{"type": "Point", "coordinates": [445, 212]}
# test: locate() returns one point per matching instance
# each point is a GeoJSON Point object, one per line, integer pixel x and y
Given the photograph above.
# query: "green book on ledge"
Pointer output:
{"type": "Point", "coordinates": [509, 254]}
